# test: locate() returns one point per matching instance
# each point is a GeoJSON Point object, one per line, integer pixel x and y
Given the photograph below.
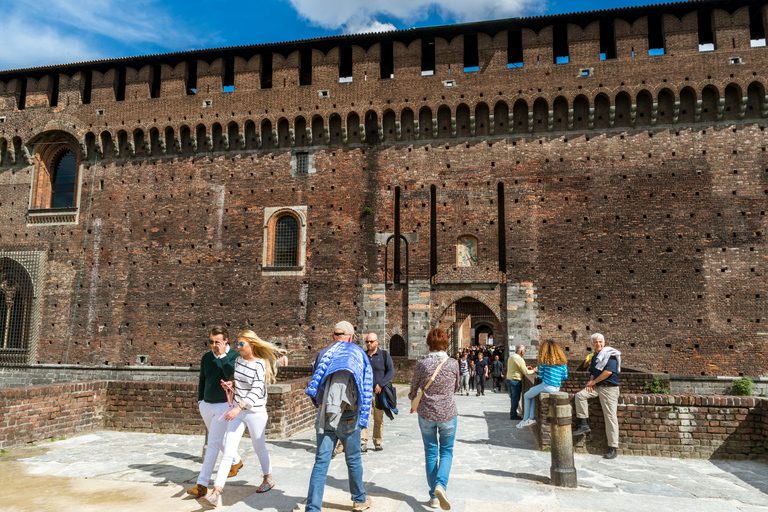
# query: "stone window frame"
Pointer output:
{"type": "Point", "coordinates": [271, 216]}
{"type": "Point", "coordinates": [40, 211]}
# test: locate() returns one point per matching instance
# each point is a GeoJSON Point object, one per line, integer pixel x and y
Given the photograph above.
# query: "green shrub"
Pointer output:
{"type": "Point", "coordinates": [656, 387]}
{"type": "Point", "coordinates": [743, 387]}
{"type": "Point", "coordinates": [367, 210]}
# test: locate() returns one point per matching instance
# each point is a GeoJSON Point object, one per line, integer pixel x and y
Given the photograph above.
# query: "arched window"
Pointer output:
{"type": "Point", "coordinates": [284, 251]}
{"type": "Point", "coordinates": [397, 346]}
{"type": "Point", "coordinates": [55, 186]}
{"type": "Point", "coordinates": [63, 181]}
{"type": "Point", "coordinates": [286, 248]}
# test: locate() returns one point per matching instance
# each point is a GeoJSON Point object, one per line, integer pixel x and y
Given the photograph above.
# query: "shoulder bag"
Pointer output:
{"type": "Point", "coordinates": [415, 402]}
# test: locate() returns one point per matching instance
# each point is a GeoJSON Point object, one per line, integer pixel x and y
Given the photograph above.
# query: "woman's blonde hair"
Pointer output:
{"type": "Point", "coordinates": [550, 353]}
{"type": "Point", "coordinates": [265, 350]}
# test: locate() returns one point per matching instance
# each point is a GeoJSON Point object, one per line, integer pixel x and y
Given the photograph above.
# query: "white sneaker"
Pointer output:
{"type": "Point", "coordinates": [521, 424]}
{"type": "Point", "coordinates": [442, 498]}
{"type": "Point", "coordinates": [434, 503]}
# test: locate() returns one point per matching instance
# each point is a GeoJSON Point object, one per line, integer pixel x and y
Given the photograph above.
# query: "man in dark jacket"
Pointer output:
{"type": "Point", "coordinates": [383, 371]}
{"type": "Point", "coordinates": [497, 370]}
{"type": "Point", "coordinates": [216, 365]}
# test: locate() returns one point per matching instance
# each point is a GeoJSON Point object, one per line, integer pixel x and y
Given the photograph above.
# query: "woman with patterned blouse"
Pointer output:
{"type": "Point", "coordinates": [254, 369]}
{"type": "Point", "coordinates": [437, 414]}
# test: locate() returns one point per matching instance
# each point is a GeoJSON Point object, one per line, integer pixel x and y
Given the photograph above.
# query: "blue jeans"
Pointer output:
{"type": "Point", "coordinates": [514, 387]}
{"type": "Point", "coordinates": [438, 468]}
{"type": "Point", "coordinates": [530, 398]}
{"type": "Point", "coordinates": [348, 432]}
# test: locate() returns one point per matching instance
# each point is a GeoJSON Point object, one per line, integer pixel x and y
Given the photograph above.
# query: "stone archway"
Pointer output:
{"type": "Point", "coordinates": [462, 317]}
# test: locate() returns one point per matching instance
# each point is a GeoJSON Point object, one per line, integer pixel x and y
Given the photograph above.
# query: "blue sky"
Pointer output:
{"type": "Point", "coordinates": [47, 32]}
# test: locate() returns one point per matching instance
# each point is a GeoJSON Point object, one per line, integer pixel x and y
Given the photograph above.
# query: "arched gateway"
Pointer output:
{"type": "Point", "coordinates": [469, 322]}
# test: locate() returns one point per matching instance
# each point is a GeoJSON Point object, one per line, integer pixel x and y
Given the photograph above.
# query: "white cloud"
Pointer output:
{"type": "Point", "coordinates": [354, 15]}
{"type": "Point", "coordinates": [30, 46]}
{"type": "Point", "coordinates": [48, 32]}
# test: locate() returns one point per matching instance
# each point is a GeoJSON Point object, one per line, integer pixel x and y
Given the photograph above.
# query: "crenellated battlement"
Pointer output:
{"type": "Point", "coordinates": [642, 67]}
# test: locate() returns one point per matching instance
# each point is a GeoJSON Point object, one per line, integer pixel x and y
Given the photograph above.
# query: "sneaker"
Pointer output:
{"type": "Point", "coordinates": [198, 490]}
{"type": "Point", "coordinates": [377, 447]}
{"type": "Point", "coordinates": [611, 454]}
{"type": "Point", "coordinates": [234, 469]}
{"type": "Point", "coordinates": [583, 429]}
{"type": "Point", "coordinates": [434, 503]}
{"type": "Point", "coordinates": [212, 500]}
{"type": "Point", "coordinates": [515, 418]}
{"type": "Point", "coordinates": [363, 448]}
{"type": "Point", "coordinates": [359, 507]}
{"type": "Point", "coordinates": [442, 498]}
{"type": "Point", "coordinates": [526, 423]}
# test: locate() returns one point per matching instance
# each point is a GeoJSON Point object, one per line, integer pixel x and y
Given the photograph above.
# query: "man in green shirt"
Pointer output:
{"type": "Point", "coordinates": [216, 365]}
{"type": "Point", "coordinates": [516, 369]}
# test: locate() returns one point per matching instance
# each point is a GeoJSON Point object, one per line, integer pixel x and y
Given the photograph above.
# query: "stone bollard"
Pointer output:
{"type": "Point", "coordinates": [562, 471]}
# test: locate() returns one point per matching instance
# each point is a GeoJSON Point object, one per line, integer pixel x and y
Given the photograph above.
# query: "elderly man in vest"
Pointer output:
{"type": "Point", "coordinates": [342, 388]}
{"type": "Point", "coordinates": [604, 383]}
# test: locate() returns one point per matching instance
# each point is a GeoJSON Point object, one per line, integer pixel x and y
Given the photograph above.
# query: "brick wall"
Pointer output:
{"type": "Point", "coordinates": [632, 380]}
{"type": "Point", "coordinates": [168, 407]}
{"type": "Point", "coordinates": [645, 224]}
{"type": "Point", "coordinates": [39, 413]}
{"type": "Point", "coordinates": [290, 410]}
{"type": "Point", "coordinates": [675, 426]}
{"type": "Point", "coordinates": [404, 368]}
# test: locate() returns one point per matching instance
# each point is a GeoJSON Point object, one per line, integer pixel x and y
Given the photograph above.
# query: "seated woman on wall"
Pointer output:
{"type": "Point", "coordinates": [553, 370]}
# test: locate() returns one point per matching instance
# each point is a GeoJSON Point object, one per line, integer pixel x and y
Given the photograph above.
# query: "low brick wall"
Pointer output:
{"type": "Point", "coordinates": [404, 368]}
{"type": "Point", "coordinates": [290, 410]}
{"type": "Point", "coordinates": [39, 413]}
{"type": "Point", "coordinates": [723, 427]}
{"type": "Point", "coordinates": [293, 372]}
{"type": "Point", "coordinates": [167, 407]}
{"type": "Point", "coordinates": [633, 380]}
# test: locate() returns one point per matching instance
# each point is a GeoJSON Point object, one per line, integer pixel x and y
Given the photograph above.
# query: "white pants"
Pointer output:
{"type": "Point", "coordinates": [257, 424]}
{"type": "Point", "coordinates": [216, 430]}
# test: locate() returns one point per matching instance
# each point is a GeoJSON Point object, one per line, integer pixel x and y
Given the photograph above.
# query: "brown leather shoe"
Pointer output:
{"type": "Point", "coordinates": [198, 490]}
{"type": "Point", "coordinates": [234, 469]}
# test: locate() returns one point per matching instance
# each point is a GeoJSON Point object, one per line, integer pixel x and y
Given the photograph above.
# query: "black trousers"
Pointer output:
{"type": "Point", "coordinates": [480, 381]}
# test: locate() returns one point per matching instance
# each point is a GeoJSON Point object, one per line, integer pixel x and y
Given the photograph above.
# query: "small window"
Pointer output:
{"type": "Point", "coordinates": [302, 164]}
{"type": "Point", "coordinates": [286, 242]}
{"type": "Point", "coordinates": [63, 181]}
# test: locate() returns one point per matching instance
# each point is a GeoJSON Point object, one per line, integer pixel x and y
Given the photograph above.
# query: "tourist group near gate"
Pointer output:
{"type": "Point", "coordinates": [572, 205]}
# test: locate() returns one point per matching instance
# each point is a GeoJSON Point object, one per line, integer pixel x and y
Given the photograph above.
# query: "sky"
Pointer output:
{"type": "Point", "coordinates": [49, 32]}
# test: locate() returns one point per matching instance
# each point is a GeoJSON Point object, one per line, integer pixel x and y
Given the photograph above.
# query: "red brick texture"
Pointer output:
{"type": "Point", "coordinates": [39, 413]}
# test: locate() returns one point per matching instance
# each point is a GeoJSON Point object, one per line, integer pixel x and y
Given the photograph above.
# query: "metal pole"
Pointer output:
{"type": "Point", "coordinates": [562, 471]}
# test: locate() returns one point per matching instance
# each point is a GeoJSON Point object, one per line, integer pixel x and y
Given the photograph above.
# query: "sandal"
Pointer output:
{"type": "Point", "coordinates": [212, 500]}
{"type": "Point", "coordinates": [266, 485]}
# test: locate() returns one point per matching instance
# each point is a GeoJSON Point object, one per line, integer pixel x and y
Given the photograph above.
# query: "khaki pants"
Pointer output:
{"type": "Point", "coordinates": [377, 418]}
{"type": "Point", "coordinates": [609, 400]}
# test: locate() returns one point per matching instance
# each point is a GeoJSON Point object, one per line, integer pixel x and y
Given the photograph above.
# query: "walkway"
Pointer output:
{"type": "Point", "coordinates": [495, 469]}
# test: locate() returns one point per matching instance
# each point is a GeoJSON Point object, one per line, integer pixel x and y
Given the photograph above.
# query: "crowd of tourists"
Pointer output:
{"type": "Point", "coordinates": [352, 389]}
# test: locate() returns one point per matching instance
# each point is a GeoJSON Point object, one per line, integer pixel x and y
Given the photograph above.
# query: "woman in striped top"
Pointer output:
{"type": "Point", "coordinates": [254, 369]}
{"type": "Point", "coordinates": [553, 370]}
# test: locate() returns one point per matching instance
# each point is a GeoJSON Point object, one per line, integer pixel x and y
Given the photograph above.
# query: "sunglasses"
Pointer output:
{"type": "Point", "coordinates": [240, 344]}
{"type": "Point", "coordinates": [338, 334]}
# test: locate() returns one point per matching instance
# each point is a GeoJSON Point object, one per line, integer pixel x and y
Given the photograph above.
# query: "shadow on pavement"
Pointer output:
{"type": "Point", "coordinates": [501, 432]}
{"type": "Point", "coordinates": [753, 473]}
{"type": "Point", "coordinates": [372, 490]}
{"type": "Point", "coordinates": [520, 476]}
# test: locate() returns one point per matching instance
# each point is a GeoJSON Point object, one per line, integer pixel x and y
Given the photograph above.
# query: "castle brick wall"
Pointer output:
{"type": "Point", "coordinates": [635, 191]}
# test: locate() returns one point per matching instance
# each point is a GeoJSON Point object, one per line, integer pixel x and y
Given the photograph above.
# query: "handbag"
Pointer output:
{"type": "Point", "coordinates": [415, 402]}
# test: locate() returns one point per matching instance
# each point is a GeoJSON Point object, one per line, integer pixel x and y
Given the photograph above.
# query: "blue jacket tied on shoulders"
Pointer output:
{"type": "Point", "coordinates": [349, 357]}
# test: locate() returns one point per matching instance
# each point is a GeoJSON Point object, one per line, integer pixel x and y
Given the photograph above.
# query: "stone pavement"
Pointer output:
{"type": "Point", "coordinates": [495, 468]}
